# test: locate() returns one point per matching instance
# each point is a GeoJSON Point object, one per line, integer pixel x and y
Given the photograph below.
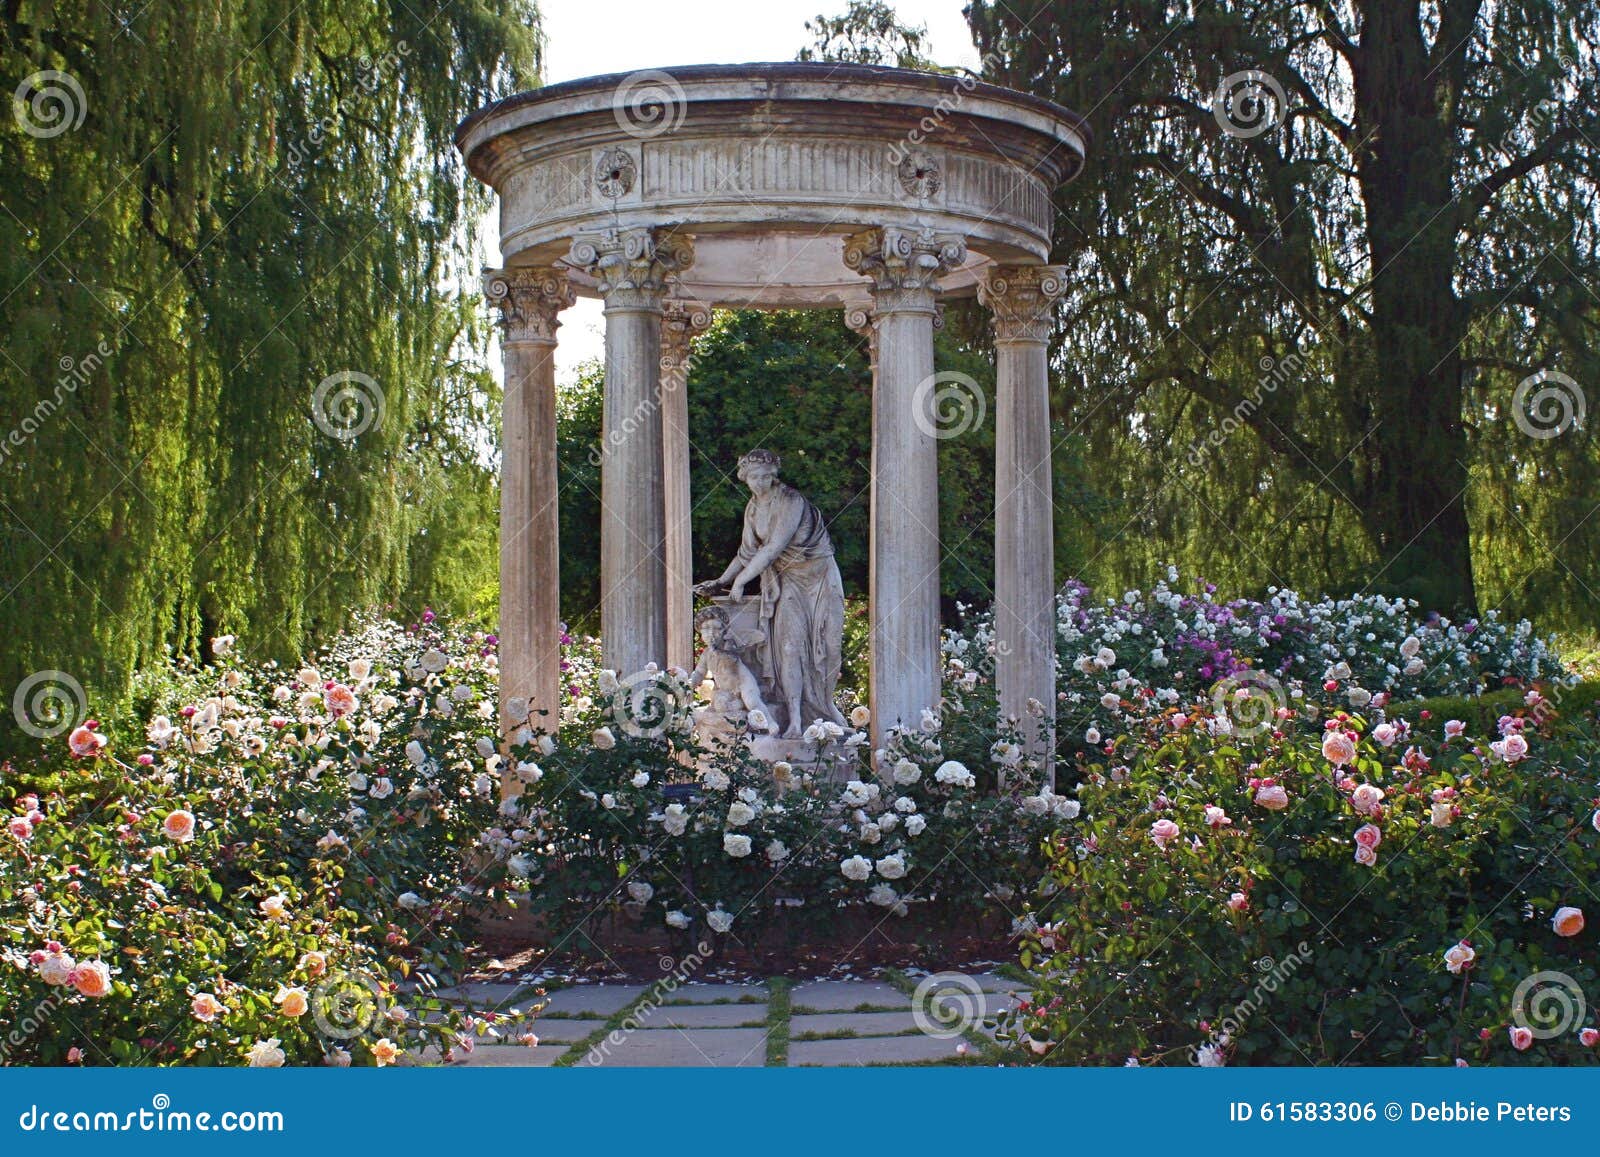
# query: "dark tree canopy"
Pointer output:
{"type": "Point", "coordinates": [242, 201]}
{"type": "Point", "coordinates": [1318, 247]}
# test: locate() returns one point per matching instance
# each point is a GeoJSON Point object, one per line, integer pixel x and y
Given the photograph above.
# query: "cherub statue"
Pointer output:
{"type": "Point", "coordinates": [727, 670]}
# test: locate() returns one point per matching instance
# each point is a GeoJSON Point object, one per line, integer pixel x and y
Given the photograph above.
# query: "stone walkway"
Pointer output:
{"type": "Point", "coordinates": [700, 1025]}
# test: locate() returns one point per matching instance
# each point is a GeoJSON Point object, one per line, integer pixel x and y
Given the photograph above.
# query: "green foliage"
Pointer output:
{"type": "Point", "coordinates": [1321, 958]}
{"type": "Point", "coordinates": [259, 195]}
{"type": "Point", "coordinates": [868, 33]}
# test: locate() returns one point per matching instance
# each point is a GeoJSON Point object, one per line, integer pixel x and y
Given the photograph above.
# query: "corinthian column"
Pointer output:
{"type": "Point", "coordinates": [529, 301]}
{"type": "Point", "coordinates": [632, 268]}
{"type": "Point", "coordinates": [680, 322]}
{"type": "Point", "coordinates": [1022, 299]}
{"type": "Point", "coordinates": [904, 267]}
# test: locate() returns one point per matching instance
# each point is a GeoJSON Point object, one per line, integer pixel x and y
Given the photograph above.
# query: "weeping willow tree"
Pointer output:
{"type": "Point", "coordinates": [1348, 251]}
{"type": "Point", "coordinates": [238, 381]}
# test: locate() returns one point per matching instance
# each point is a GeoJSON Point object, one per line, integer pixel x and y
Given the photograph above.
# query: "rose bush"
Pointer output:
{"type": "Point", "coordinates": [280, 873]}
{"type": "Point", "coordinates": [1376, 889]}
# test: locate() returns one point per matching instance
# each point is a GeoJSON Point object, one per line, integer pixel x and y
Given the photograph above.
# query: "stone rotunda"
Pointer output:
{"type": "Point", "coordinates": [875, 191]}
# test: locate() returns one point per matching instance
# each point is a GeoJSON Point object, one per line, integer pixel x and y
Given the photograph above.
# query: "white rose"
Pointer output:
{"type": "Point", "coordinates": [856, 868]}
{"type": "Point", "coordinates": [715, 780]}
{"type": "Point", "coordinates": [603, 739]}
{"type": "Point", "coordinates": [892, 867]}
{"type": "Point", "coordinates": [735, 845]}
{"type": "Point", "coordinates": [719, 920]}
{"type": "Point", "coordinates": [640, 890]}
{"type": "Point", "coordinates": [265, 1054]}
{"type": "Point", "coordinates": [915, 825]}
{"type": "Point", "coordinates": [740, 813]}
{"type": "Point", "coordinates": [676, 919]}
{"type": "Point", "coordinates": [906, 772]}
{"type": "Point", "coordinates": [640, 779]}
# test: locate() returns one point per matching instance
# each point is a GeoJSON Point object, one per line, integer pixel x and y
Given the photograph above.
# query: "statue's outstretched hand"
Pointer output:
{"type": "Point", "coordinates": [709, 587]}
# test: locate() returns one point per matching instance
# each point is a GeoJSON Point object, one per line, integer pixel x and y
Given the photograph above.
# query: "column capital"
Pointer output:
{"type": "Point", "coordinates": [681, 320]}
{"type": "Point", "coordinates": [529, 299]}
{"type": "Point", "coordinates": [632, 266]}
{"type": "Point", "coordinates": [1023, 299]}
{"type": "Point", "coordinates": [904, 264]}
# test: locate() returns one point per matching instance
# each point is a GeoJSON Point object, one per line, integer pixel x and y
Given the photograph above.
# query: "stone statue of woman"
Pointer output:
{"type": "Point", "coordinates": [786, 546]}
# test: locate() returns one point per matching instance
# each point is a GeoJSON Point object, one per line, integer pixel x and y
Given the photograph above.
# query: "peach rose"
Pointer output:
{"type": "Point", "coordinates": [85, 742]}
{"type": "Point", "coordinates": [1441, 814]}
{"type": "Point", "coordinates": [315, 964]}
{"type": "Point", "coordinates": [1366, 857]}
{"type": "Point", "coordinates": [340, 699]}
{"type": "Point", "coordinates": [1459, 956]}
{"type": "Point", "coordinates": [1521, 1037]}
{"type": "Point", "coordinates": [1369, 836]}
{"type": "Point", "coordinates": [275, 907]}
{"type": "Point", "coordinates": [293, 1001]}
{"type": "Point", "coordinates": [385, 1052]}
{"type": "Point", "coordinates": [1338, 748]}
{"type": "Point", "coordinates": [206, 1007]}
{"type": "Point", "coordinates": [1567, 921]}
{"type": "Point", "coordinates": [179, 826]}
{"type": "Point", "coordinates": [92, 978]}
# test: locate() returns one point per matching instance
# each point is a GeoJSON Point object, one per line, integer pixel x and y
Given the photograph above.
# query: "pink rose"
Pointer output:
{"type": "Point", "coordinates": [1272, 797]}
{"type": "Point", "coordinates": [1163, 831]}
{"type": "Point", "coordinates": [85, 742]}
{"type": "Point", "coordinates": [1454, 729]}
{"type": "Point", "coordinates": [1521, 1037]}
{"type": "Point", "coordinates": [1567, 921]}
{"type": "Point", "coordinates": [1338, 748]}
{"type": "Point", "coordinates": [20, 828]}
{"type": "Point", "coordinates": [74, 1055]}
{"type": "Point", "coordinates": [1368, 836]}
{"type": "Point", "coordinates": [1441, 814]}
{"type": "Point", "coordinates": [1366, 857]}
{"type": "Point", "coordinates": [1216, 817]}
{"type": "Point", "coordinates": [1238, 902]}
{"type": "Point", "coordinates": [1366, 798]}
{"type": "Point", "coordinates": [1594, 820]}
{"type": "Point", "coordinates": [1459, 956]}
{"type": "Point", "coordinates": [340, 699]}
{"type": "Point", "coordinates": [206, 1007]}
{"type": "Point", "coordinates": [1589, 1037]}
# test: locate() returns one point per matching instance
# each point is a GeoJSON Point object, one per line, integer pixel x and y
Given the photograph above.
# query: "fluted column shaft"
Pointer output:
{"type": "Point", "coordinates": [680, 322]}
{"type": "Point", "coordinates": [904, 267]}
{"type": "Point", "coordinates": [529, 301]}
{"type": "Point", "coordinates": [1022, 299]}
{"type": "Point", "coordinates": [632, 268]}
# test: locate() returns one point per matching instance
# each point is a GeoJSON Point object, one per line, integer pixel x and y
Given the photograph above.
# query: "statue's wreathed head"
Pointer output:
{"type": "Point", "coordinates": [763, 461]}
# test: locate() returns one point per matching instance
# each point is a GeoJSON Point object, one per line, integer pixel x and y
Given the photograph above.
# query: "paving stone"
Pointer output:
{"type": "Point", "coordinates": [707, 993]}
{"type": "Point", "coordinates": [994, 982]}
{"type": "Point", "coordinates": [511, 1057]}
{"type": "Point", "coordinates": [860, 1023]}
{"type": "Point", "coordinates": [592, 999]}
{"type": "Point", "coordinates": [490, 995]}
{"type": "Point", "coordinates": [705, 1016]}
{"type": "Point", "coordinates": [844, 995]}
{"type": "Point", "coordinates": [892, 1050]}
{"type": "Point", "coordinates": [682, 1048]}
{"type": "Point", "coordinates": [556, 1030]}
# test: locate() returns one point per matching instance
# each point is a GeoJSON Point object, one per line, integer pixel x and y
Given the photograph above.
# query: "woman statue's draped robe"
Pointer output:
{"type": "Point", "coordinates": [802, 601]}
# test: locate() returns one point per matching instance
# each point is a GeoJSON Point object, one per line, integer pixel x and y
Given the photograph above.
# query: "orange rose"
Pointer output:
{"type": "Point", "coordinates": [179, 826]}
{"type": "Point", "coordinates": [92, 979]}
{"type": "Point", "coordinates": [1567, 921]}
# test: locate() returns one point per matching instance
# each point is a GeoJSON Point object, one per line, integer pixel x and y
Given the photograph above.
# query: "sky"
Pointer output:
{"type": "Point", "coordinates": [587, 37]}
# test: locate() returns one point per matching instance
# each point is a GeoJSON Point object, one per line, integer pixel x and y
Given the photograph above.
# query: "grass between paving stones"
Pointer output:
{"type": "Point", "coordinates": [778, 1014]}
{"type": "Point", "coordinates": [807, 1010]}
{"type": "Point", "coordinates": [581, 1048]}
{"type": "Point", "coordinates": [982, 1051]}
{"type": "Point", "coordinates": [709, 1003]}
{"type": "Point", "coordinates": [852, 1034]}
